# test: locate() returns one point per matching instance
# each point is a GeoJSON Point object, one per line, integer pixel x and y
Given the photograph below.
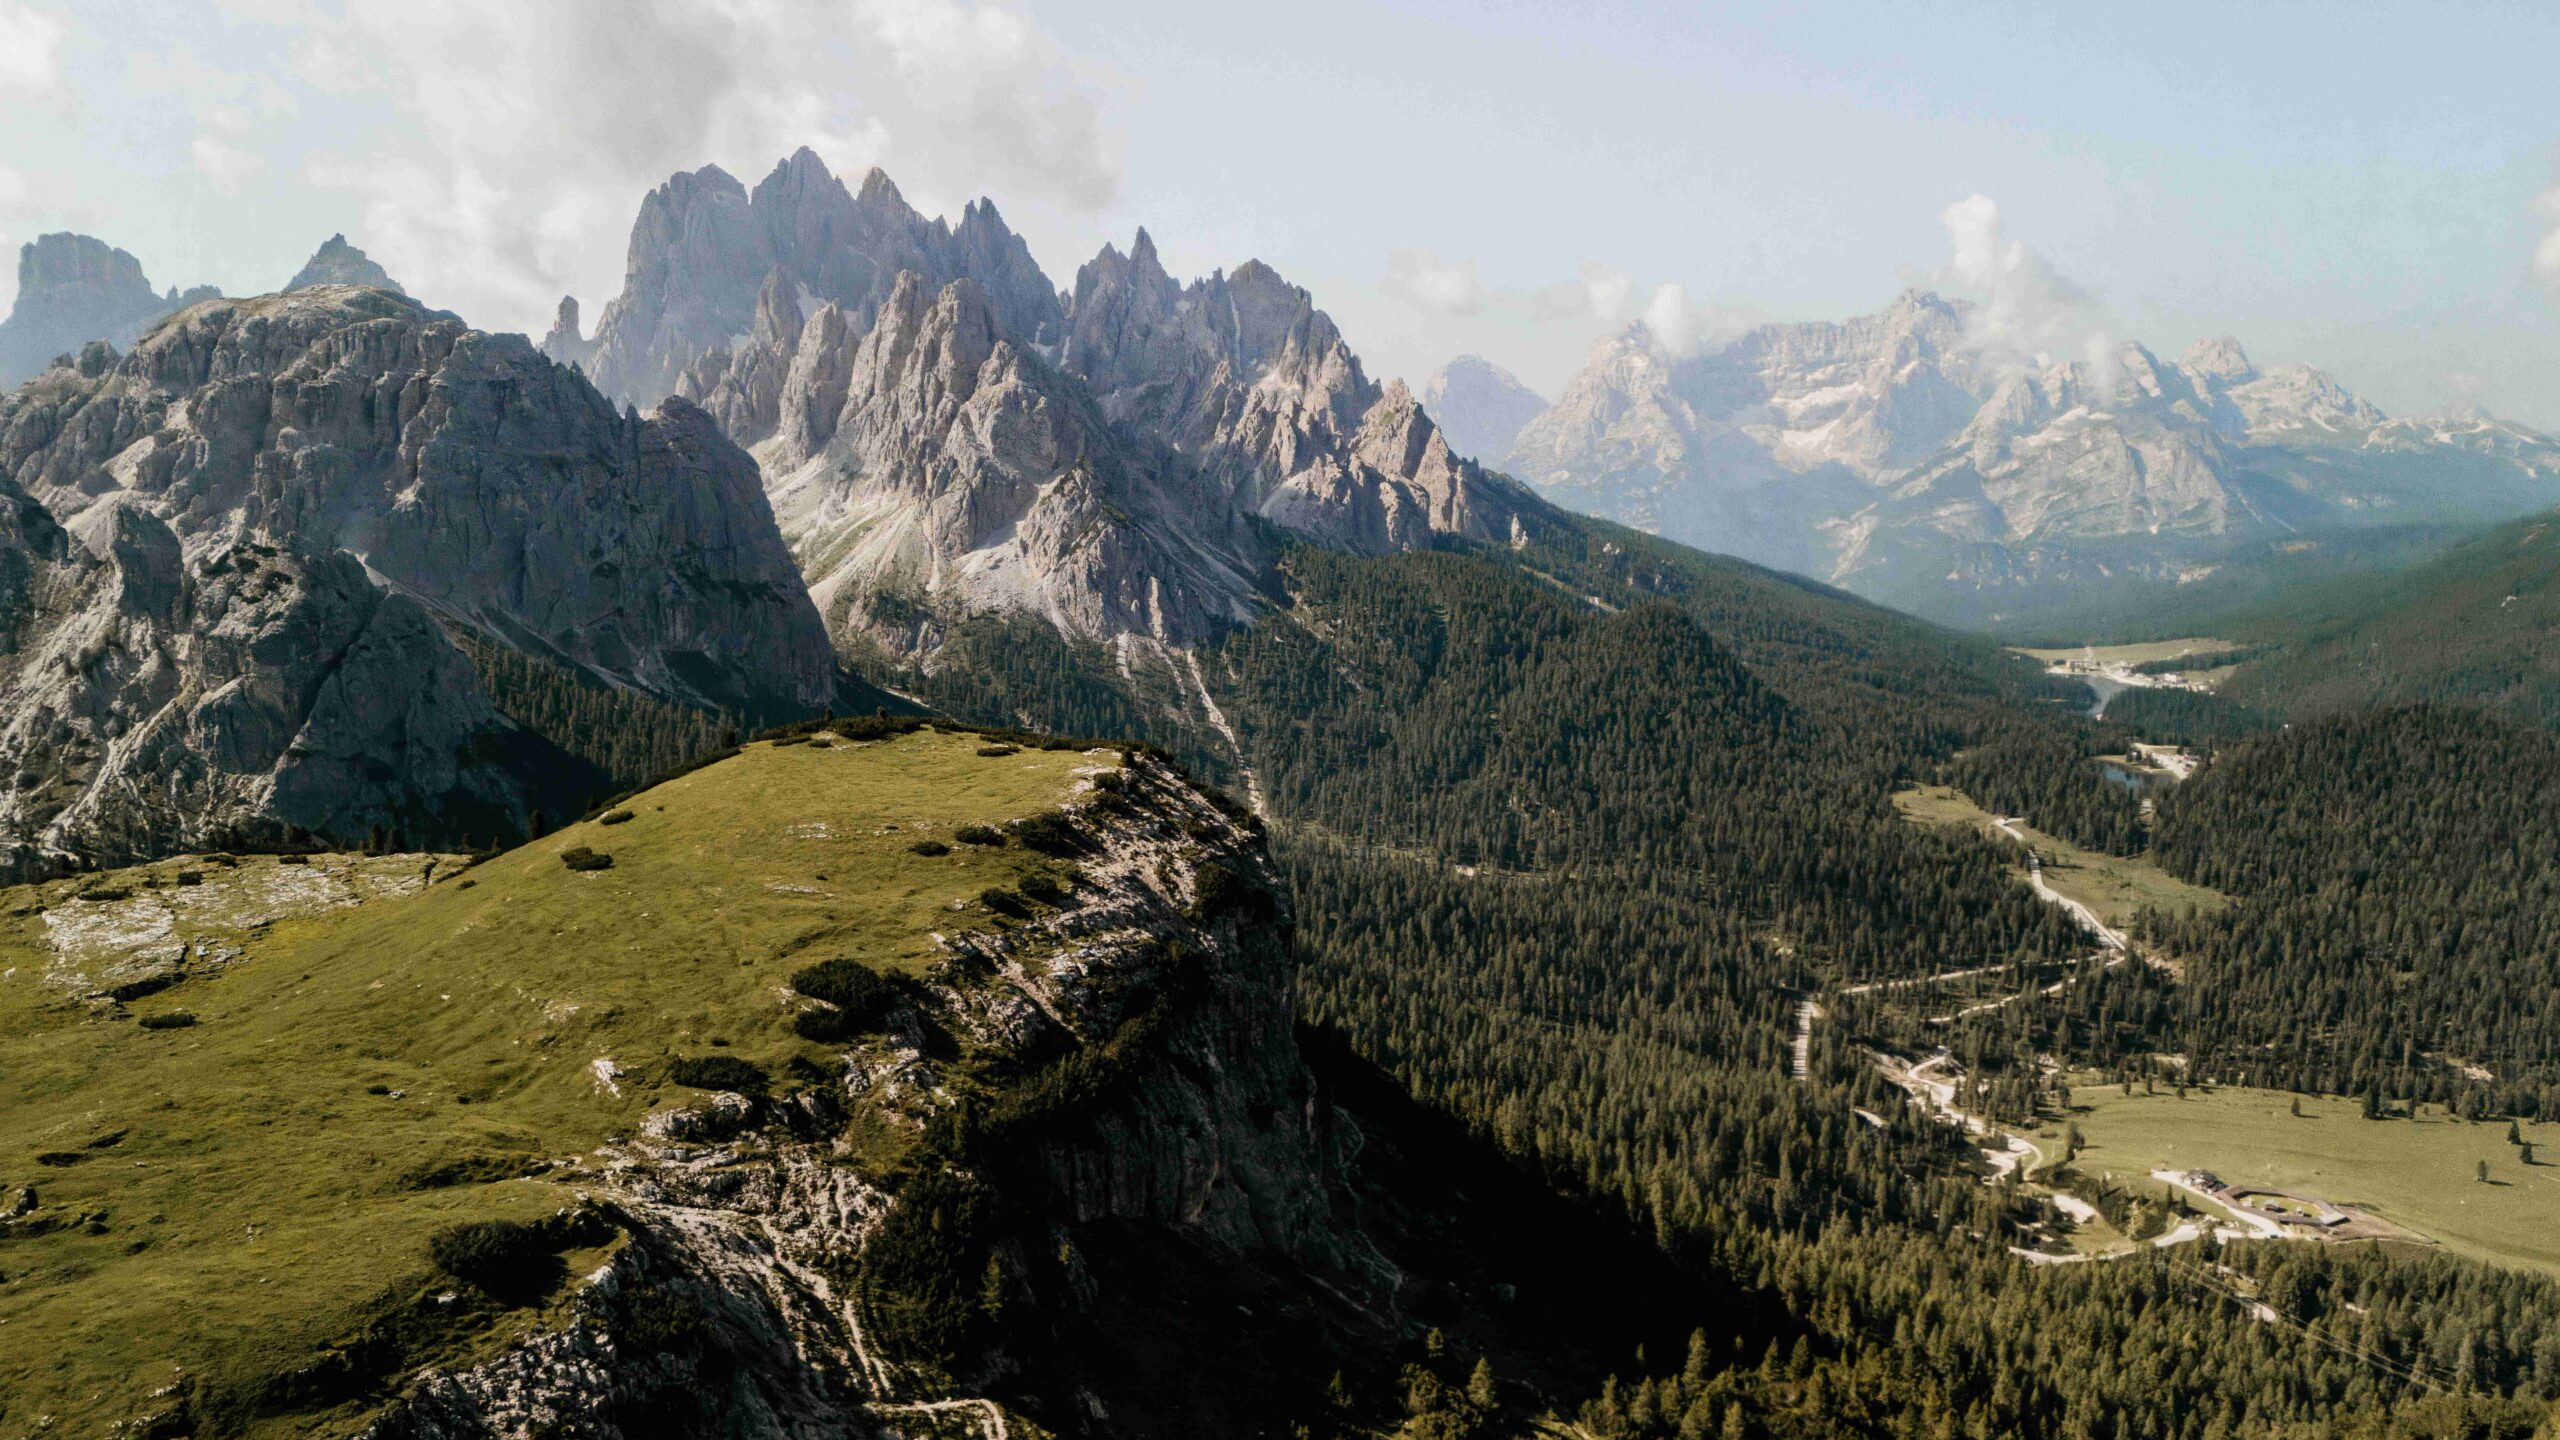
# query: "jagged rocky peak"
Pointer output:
{"type": "Point", "coordinates": [1243, 374]}
{"type": "Point", "coordinates": [73, 289]}
{"type": "Point", "coordinates": [703, 248]}
{"type": "Point", "coordinates": [2303, 403]}
{"type": "Point", "coordinates": [937, 466]}
{"type": "Point", "coordinates": [338, 263]}
{"type": "Point", "coordinates": [742, 390]}
{"type": "Point", "coordinates": [223, 476]}
{"type": "Point", "coordinates": [2219, 361]}
{"type": "Point", "coordinates": [565, 342]}
{"type": "Point", "coordinates": [1481, 405]}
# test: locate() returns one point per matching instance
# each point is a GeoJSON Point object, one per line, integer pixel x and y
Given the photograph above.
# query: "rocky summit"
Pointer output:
{"type": "Point", "coordinates": [944, 435]}
{"type": "Point", "coordinates": [1906, 457]}
{"type": "Point", "coordinates": [935, 466]}
{"type": "Point", "coordinates": [703, 247]}
{"type": "Point", "coordinates": [73, 289]}
{"type": "Point", "coordinates": [248, 559]}
{"type": "Point", "coordinates": [338, 263]}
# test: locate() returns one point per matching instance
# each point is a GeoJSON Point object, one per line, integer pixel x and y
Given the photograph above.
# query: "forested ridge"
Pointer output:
{"type": "Point", "coordinates": [2399, 931]}
{"type": "Point", "coordinates": [1573, 830]}
{"type": "Point", "coordinates": [2477, 624]}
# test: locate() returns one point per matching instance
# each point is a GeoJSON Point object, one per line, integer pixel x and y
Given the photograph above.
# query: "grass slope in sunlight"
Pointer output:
{"type": "Point", "coordinates": [222, 1200]}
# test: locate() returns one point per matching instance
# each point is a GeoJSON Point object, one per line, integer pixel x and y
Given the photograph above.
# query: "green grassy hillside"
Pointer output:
{"type": "Point", "coordinates": [218, 1203]}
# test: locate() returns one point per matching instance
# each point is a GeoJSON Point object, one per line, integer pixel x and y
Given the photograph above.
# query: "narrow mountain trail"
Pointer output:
{"type": "Point", "coordinates": [989, 1415]}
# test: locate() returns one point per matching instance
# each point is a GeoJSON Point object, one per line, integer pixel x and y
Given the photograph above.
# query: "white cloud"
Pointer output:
{"type": "Point", "coordinates": [217, 154]}
{"type": "Point", "coordinates": [2546, 255]}
{"type": "Point", "coordinates": [227, 165]}
{"type": "Point", "coordinates": [13, 186]}
{"type": "Point", "coordinates": [519, 139]}
{"type": "Point", "coordinates": [1675, 321]}
{"type": "Point", "coordinates": [2024, 309]}
{"type": "Point", "coordinates": [28, 40]}
{"type": "Point", "coordinates": [1425, 281]}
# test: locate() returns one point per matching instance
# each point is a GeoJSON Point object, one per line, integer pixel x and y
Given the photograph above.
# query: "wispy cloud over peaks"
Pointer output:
{"type": "Point", "coordinates": [1675, 321]}
{"type": "Point", "coordinates": [517, 140]}
{"type": "Point", "coordinates": [2546, 254]}
{"type": "Point", "coordinates": [2024, 308]}
{"type": "Point", "coordinates": [1427, 282]}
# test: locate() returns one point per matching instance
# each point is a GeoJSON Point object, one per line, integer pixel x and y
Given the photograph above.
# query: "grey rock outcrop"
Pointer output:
{"type": "Point", "coordinates": [73, 289]}
{"type": "Point", "coordinates": [338, 263]}
{"type": "Point", "coordinates": [564, 342]}
{"type": "Point", "coordinates": [237, 553]}
{"type": "Point", "coordinates": [1481, 405]}
{"type": "Point", "coordinates": [704, 248]}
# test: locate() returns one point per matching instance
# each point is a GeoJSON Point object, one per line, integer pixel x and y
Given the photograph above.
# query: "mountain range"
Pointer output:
{"type": "Point", "coordinates": [943, 433]}
{"type": "Point", "coordinates": [1902, 456]}
{"type": "Point", "coordinates": [1619, 999]}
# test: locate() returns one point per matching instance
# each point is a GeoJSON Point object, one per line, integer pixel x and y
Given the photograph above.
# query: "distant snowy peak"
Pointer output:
{"type": "Point", "coordinates": [2468, 428]}
{"type": "Point", "coordinates": [2297, 402]}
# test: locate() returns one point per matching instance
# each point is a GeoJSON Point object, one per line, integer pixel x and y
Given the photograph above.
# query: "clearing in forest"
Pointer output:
{"type": "Point", "coordinates": [2420, 1174]}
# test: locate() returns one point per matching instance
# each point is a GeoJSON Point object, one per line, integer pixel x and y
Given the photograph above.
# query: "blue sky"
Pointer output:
{"type": "Point", "coordinates": [2355, 186]}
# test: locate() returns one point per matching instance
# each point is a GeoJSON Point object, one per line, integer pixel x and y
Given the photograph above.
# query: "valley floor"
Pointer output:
{"type": "Point", "coordinates": [2418, 1173]}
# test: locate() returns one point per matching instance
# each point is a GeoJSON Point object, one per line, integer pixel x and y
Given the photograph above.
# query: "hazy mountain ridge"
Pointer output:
{"type": "Point", "coordinates": [1898, 455]}
{"type": "Point", "coordinates": [73, 289]}
{"type": "Point", "coordinates": [1481, 405]}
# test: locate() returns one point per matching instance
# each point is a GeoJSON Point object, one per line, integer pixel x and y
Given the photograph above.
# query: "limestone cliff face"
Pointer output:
{"type": "Point", "coordinates": [935, 465]}
{"type": "Point", "coordinates": [239, 548]}
{"type": "Point", "coordinates": [703, 249]}
{"type": "Point", "coordinates": [156, 704]}
{"type": "Point", "coordinates": [73, 289]}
